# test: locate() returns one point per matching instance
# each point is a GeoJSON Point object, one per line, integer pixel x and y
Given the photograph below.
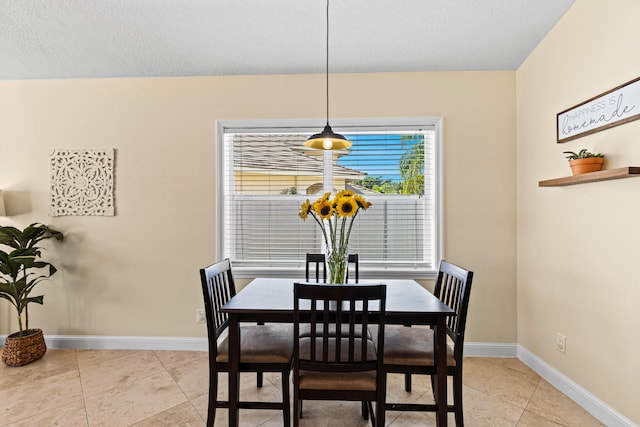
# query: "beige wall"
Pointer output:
{"type": "Point", "coordinates": [137, 273]}
{"type": "Point", "coordinates": [577, 245]}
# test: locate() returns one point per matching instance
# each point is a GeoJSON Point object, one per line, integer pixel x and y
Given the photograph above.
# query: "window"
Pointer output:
{"type": "Point", "coordinates": [265, 173]}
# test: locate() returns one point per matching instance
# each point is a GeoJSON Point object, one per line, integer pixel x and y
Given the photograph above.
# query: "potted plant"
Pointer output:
{"type": "Point", "coordinates": [21, 269]}
{"type": "Point", "coordinates": [584, 161]}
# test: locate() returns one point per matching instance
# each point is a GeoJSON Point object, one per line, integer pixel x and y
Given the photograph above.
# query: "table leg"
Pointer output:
{"type": "Point", "coordinates": [441, 369]}
{"type": "Point", "coordinates": [234, 370]}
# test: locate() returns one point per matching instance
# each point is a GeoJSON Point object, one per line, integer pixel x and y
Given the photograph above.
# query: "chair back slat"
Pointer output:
{"type": "Point", "coordinates": [316, 262]}
{"type": "Point", "coordinates": [453, 287]}
{"type": "Point", "coordinates": [336, 312]}
{"type": "Point", "coordinates": [218, 287]}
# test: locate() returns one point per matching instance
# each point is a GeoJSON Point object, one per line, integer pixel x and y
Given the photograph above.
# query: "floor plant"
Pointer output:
{"type": "Point", "coordinates": [21, 270]}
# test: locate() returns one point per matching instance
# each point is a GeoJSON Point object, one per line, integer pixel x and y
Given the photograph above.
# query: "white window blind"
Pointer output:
{"type": "Point", "coordinates": [267, 173]}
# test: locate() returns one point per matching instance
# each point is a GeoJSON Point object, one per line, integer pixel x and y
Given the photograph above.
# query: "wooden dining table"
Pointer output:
{"type": "Point", "coordinates": [271, 300]}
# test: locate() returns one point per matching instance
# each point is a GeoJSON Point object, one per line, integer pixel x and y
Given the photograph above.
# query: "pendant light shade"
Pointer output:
{"type": "Point", "coordinates": [327, 139]}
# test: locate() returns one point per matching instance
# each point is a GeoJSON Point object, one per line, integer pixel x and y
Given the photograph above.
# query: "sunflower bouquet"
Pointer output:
{"type": "Point", "coordinates": [332, 215]}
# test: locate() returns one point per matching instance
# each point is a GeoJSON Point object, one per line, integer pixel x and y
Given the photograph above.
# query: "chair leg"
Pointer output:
{"type": "Point", "coordinates": [285, 398]}
{"type": "Point", "coordinates": [433, 387]}
{"type": "Point", "coordinates": [457, 398]}
{"type": "Point", "coordinates": [259, 377]}
{"type": "Point", "coordinates": [297, 407]}
{"type": "Point", "coordinates": [213, 396]}
{"type": "Point", "coordinates": [381, 412]}
{"type": "Point", "coordinates": [365, 410]}
{"type": "Point", "coordinates": [259, 373]}
{"type": "Point", "coordinates": [372, 415]}
{"type": "Point", "coordinates": [407, 377]}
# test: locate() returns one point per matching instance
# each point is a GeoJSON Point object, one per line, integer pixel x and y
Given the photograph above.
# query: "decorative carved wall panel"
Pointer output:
{"type": "Point", "coordinates": [82, 182]}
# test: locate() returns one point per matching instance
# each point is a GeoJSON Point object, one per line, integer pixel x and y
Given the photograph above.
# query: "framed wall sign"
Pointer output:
{"type": "Point", "coordinates": [614, 107]}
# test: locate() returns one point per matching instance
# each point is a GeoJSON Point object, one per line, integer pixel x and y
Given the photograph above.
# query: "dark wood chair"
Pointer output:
{"type": "Point", "coordinates": [264, 348]}
{"type": "Point", "coordinates": [411, 350]}
{"type": "Point", "coordinates": [339, 366]}
{"type": "Point", "coordinates": [316, 262]}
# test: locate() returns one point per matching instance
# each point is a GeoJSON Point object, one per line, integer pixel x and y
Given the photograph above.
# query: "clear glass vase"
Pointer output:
{"type": "Point", "coordinates": [337, 262]}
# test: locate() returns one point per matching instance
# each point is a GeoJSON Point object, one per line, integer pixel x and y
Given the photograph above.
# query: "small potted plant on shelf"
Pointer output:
{"type": "Point", "coordinates": [584, 161]}
{"type": "Point", "coordinates": [21, 269]}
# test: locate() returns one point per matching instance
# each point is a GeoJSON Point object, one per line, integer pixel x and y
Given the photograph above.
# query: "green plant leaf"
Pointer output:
{"type": "Point", "coordinates": [10, 236]}
{"type": "Point", "coordinates": [22, 269]}
{"type": "Point", "coordinates": [38, 300]}
{"type": "Point", "coordinates": [582, 154]}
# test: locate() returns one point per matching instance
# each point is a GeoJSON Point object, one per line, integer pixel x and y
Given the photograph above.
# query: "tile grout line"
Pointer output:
{"type": "Point", "coordinates": [155, 353]}
{"type": "Point", "coordinates": [84, 398]}
{"type": "Point", "coordinates": [541, 415]}
{"type": "Point", "coordinates": [171, 376]}
{"type": "Point", "coordinates": [46, 379]}
{"type": "Point", "coordinates": [529, 401]}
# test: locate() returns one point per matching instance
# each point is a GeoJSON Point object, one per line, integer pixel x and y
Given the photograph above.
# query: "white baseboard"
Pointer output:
{"type": "Point", "coordinates": [596, 407]}
{"type": "Point", "coordinates": [97, 342]}
{"type": "Point", "coordinates": [489, 349]}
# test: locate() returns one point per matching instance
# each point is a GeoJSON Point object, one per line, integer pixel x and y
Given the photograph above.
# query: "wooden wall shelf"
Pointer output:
{"type": "Point", "coordinates": [628, 172]}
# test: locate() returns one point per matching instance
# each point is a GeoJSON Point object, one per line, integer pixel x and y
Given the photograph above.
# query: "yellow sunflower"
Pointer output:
{"type": "Point", "coordinates": [322, 207]}
{"type": "Point", "coordinates": [343, 193]}
{"type": "Point", "coordinates": [362, 202]}
{"type": "Point", "coordinates": [346, 206]}
{"type": "Point", "coordinates": [304, 209]}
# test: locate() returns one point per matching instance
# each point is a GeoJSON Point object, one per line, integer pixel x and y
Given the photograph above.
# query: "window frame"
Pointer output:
{"type": "Point", "coordinates": [343, 126]}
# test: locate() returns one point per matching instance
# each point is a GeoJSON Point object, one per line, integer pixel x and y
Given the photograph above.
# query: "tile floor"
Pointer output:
{"type": "Point", "coordinates": [169, 388]}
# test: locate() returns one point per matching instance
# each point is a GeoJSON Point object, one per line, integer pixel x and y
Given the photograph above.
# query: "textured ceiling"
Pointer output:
{"type": "Point", "coordinates": [61, 39]}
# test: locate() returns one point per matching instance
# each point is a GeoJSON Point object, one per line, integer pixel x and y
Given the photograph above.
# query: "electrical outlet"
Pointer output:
{"type": "Point", "coordinates": [200, 315]}
{"type": "Point", "coordinates": [561, 343]}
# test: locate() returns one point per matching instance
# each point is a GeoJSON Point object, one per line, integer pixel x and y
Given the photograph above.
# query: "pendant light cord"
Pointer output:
{"type": "Point", "coordinates": [327, 139]}
{"type": "Point", "coordinates": [327, 61]}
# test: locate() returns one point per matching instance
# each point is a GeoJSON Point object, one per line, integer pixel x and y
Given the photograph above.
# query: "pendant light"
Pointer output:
{"type": "Point", "coordinates": [327, 139]}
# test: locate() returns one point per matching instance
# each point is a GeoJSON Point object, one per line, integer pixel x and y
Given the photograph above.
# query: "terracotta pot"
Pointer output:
{"type": "Point", "coordinates": [21, 350]}
{"type": "Point", "coordinates": [590, 164]}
